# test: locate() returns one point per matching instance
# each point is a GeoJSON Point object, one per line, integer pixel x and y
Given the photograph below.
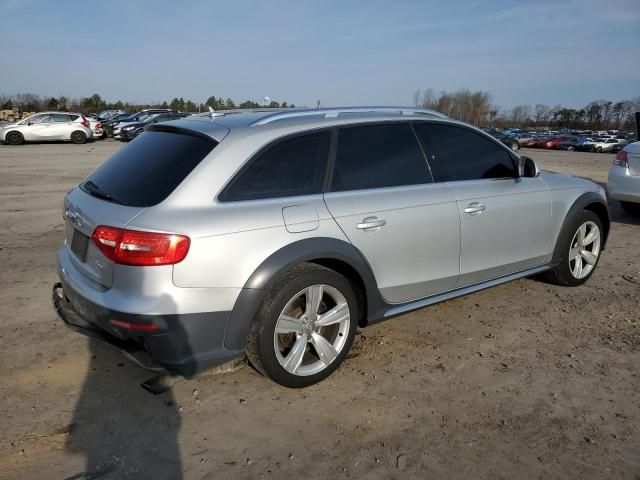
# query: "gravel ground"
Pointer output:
{"type": "Point", "coordinates": [525, 380]}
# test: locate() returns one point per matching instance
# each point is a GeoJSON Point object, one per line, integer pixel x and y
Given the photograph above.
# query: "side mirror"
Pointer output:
{"type": "Point", "coordinates": [528, 167]}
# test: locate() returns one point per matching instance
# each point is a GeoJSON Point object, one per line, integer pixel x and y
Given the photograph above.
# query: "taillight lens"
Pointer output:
{"type": "Point", "coordinates": [98, 125]}
{"type": "Point", "coordinates": [621, 159]}
{"type": "Point", "coordinates": [133, 247]}
{"type": "Point", "coordinates": [85, 122]}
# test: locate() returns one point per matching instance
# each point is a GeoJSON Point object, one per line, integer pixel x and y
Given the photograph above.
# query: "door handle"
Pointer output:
{"type": "Point", "coordinates": [475, 208]}
{"type": "Point", "coordinates": [371, 223]}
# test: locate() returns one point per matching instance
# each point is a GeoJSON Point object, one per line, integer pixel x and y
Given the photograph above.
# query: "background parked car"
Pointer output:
{"type": "Point", "coordinates": [509, 140]}
{"type": "Point", "coordinates": [570, 143]}
{"type": "Point", "coordinates": [48, 126]}
{"type": "Point", "coordinates": [114, 128]}
{"type": "Point", "coordinates": [107, 125]}
{"type": "Point", "coordinates": [96, 127]}
{"type": "Point", "coordinates": [604, 145]}
{"type": "Point", "coordinates": [624, 178]}
{"type": "Point", "coordinates": [132, 130]}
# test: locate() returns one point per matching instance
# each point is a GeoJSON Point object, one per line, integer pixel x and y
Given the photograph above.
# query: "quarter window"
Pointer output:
{"type": "Point", "coordinates": [377, 156]}
{"type": "Point", "coordinates": [462, 154]}
{"type": "Point", "coordinates": [289, 168]}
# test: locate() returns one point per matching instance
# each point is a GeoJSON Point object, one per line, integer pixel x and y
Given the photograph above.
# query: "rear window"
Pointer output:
{"type": "Point", "coordinates": [144, 172]}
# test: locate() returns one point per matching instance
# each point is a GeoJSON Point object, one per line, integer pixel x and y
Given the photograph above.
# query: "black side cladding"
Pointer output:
{"type": "Point", "coordinates": [307, 250]}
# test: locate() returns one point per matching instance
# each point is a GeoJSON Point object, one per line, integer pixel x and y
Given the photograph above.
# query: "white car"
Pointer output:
{"type": "Point", "coordinates": [96, 127]}
{"type": "Point", "coordinates": [624, 178]}
{"type": "Point", "coordinates": [604, 145]}
{"type": "Point", "coordinates": [48, 126]}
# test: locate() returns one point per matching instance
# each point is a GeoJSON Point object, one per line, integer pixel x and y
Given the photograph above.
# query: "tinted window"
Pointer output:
{"type": "Point", "coordinates": [60, 117]}
{"type": "Point", "coordinates": [462, 154]}
{"type": "Point", "coordinates": [291, 167]}
{"type": "Point", "coordinates": [146, 171]}
{"type": "Point", "coordinates": [377, 156]}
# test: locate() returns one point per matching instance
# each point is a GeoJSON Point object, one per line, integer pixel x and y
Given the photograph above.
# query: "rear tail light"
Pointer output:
{"type": "Point", "coordinates": [132, 247]}
{"type": "Point", "coordinates": [85, 122]}
{"type": "Point", "coordinates": [98, 125]}
{"type": "Point", "coordinates": [621, 159]}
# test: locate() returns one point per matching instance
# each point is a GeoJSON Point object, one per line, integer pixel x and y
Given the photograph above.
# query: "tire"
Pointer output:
{"type": "Point", "coordinates": [566, 250]}
{"type": "Point", "coordinates": [78, 137]}
{"type": "Point", "coordinates": [570, 149]}
{"type": "Point", "coordinates": [598, 149]}
{"type": "Point", "coordinates": [14, 138]}
{"type": "Point", "coordinates": [631, 208]}
{"type": "Point", "coordinates": [515, 146]}
{"type": "Point", "coordinates": [284, 306]}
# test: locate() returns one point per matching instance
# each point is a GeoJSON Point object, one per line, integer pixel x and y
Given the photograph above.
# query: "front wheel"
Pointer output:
{"type": "Point", "coordinates": [78, 137]}
{"type": "Point", "coordinates": [577, 250]}
{"type": "Point", "coordinates": [515, 146]}
{"type": "Point", "coordinates": [14, 138]}
{"type": "Point", "coordinates": [304, 327]}
{"type": "Point", "coordinates": [598, 149]}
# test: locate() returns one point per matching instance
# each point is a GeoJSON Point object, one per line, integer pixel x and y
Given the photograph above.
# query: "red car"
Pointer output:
{"type": "Point", "coordinates": [554, 143]}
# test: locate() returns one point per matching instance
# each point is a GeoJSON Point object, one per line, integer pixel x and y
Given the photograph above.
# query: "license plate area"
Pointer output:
{"type": "Point", "coordinates": [79, 245]}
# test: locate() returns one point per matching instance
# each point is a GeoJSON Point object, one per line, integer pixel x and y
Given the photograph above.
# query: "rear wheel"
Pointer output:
{"type": "Point", "coordinates": [78, 137]}
{"type": "Point", "coordinates": [304, 327]}
{"type": "Point", "coordinates": [14, 138]}
{"type": "Point", "coordinates": [631, 208]}
{"type": "Point", "coordinates": [599, 149]}
{"type": "Point", "coordinates": [570, 148]}
{"type": "Point", "coordinates": [578, 250]}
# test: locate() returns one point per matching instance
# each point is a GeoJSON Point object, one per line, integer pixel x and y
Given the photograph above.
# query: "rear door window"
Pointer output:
{"type": "Point", "coordinates": [61, 118]}
{"type": "Point", "coordinates": [292, 167]}
{"type": "Point", "coordinates": [143, 173]}
{"type": "Point", "coordinates": [462, 154]}
{"type": "Point", "coordinates": [378, 156]}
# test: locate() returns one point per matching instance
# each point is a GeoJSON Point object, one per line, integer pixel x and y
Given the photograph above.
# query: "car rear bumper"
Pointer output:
{"type": "Point", "coordinates": [185, 344]}
{"type": "Point", "coordinates": [621, 185]}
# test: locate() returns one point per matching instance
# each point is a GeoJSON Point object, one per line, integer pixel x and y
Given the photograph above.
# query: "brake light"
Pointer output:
{"type": "Point", "coordinates": [621, 159]}
{"type": "Point", "coordinates": [98, 125]}
{"type": "Point", "coordinates": [133, 247]}
{"type": "Point", "coordinates": [85, 122]}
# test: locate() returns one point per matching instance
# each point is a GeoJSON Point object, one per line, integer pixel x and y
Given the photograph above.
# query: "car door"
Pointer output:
{"type": "Point", "coordinates": [504, 218]}
{"type": "Point", "coordinates": [383, 198]}
{"type": "Point", "coordinates": [37, 127]}
{"type": "Point", "coordinates": [61, 127]}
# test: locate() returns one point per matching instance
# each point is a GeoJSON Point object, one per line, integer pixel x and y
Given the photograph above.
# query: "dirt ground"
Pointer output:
{"type": "Point", "coordinates": [525, 380]}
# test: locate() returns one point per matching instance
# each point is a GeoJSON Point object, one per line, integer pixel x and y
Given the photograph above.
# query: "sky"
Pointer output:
{"type": "Point", "coordinates": [341, 52]}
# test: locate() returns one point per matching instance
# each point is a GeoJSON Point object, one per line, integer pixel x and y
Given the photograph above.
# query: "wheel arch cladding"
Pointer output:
{"type": "Point", "coordinates": [332, 253]}
{"type": "Point", "coordinates": [592, 202]}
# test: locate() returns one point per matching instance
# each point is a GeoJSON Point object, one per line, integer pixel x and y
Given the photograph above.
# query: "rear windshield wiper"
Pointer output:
{"type": "Point", "coordinates": [95, 191]}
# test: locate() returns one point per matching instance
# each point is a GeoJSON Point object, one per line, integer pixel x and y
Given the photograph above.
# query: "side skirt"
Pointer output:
{"type": "Point", "coordinates": [395, 310]}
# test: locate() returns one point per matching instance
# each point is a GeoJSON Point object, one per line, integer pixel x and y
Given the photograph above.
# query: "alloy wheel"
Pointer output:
{"type": "Point", "coordinates": [312, 330]}
{"type": "Point", "coordinates": [584, 249]}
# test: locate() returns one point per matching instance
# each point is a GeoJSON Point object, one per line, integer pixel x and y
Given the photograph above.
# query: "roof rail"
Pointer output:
{"type": "Point", "coordinates": [335, 112]}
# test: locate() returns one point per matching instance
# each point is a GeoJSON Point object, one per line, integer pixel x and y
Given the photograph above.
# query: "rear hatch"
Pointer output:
{"type": "Point", "coordinates": [140, 175]}
{"type": "Point", "coordinates": [633, 157]}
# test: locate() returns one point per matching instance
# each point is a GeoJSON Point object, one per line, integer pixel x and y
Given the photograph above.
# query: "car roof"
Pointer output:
{"type": "Point", "coordinates": [295, 119]}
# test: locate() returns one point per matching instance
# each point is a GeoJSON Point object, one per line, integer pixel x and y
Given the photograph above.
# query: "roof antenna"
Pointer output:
{"type": "Point", "coordinates": [211, 112]}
